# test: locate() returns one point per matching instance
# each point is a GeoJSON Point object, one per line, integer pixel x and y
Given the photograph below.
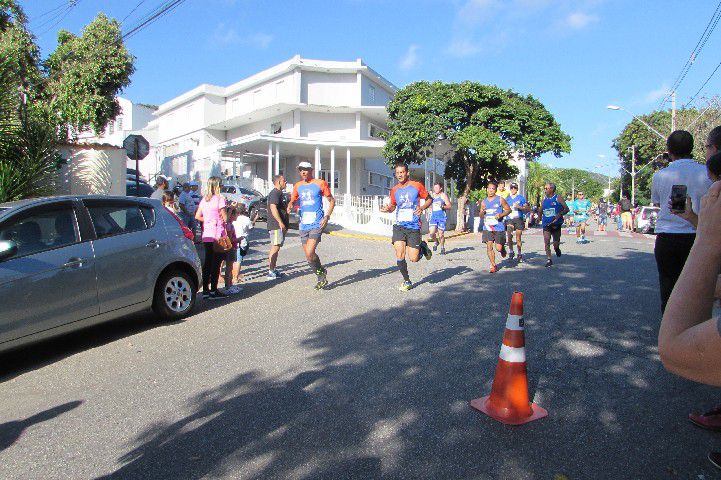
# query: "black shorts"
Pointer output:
{"type": "Point", "coordinates": [411, 236]}
{"type": "Point", "coordinates": [555, 231]}
{"type": "Point", "coordinates": [516, 223]}
{"type": "Point", "coordinates": [493, 236]}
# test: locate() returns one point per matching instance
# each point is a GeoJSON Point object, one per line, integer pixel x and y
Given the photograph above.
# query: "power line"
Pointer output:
{"type": "Point", "coordinates": [703, 85]}
{"type": "Point", "coordinates": [158, 13]}
{"type": "Point", "coordinates": [64, 4]}
{"type": "Point", "coordinates": [710, 26]}
{"type": "Point", "coordinates": [71, 5]}
{"type": "Point", "coordinates": [132, 11]}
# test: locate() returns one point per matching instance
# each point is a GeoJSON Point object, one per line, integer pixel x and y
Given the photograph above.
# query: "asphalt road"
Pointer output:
{"type": "Point", "coordinates": [365, 381]}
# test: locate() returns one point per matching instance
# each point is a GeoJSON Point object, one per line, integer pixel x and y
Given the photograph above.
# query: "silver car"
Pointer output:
{"type": "Point", "coordinates": [73, 261]}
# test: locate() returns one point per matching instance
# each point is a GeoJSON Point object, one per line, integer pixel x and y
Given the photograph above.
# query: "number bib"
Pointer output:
{"type": "Point", "coordinates": [549, 212]}
{"type": "Point", "coordinates": [308, 217]}
{"type": "Point", "coordinates": [490, 221]}
{"type": "Point", "coordinates": [437, 206]}
{"type": "Point", "coordinates": [405, 215]}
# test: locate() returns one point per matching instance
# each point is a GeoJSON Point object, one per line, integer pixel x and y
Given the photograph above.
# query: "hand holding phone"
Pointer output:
{"type": "Point", "coordinates": [678, 198]}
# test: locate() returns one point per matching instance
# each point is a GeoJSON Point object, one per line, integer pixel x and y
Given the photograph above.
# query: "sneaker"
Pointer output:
{"type": "Point", "coordinates": [443, 250]}
{"type": "Point", "coordinates": [520, 258]}
{"type": "Point", "coordinates": [405, 286]}
{"type": "Point", "coordinates": [321, 284]}
{"type": "Point", "coordinates": [493, 269]}
{"type": "Point", "coordinates": [278, 273]}
{"type": "Point", "coordinates": [710, 420]}
{"type": "Point", "coordinates": [435, 247]}
{"type": "Point", "coordinates": [503, 251]}
{"type": "Point", "coordinates": [217, 295]}
{"type": "Point", "coordinates": [549, 262]}
{"type": "Point", "coordinates": [272, 275]}
{"type": "Point", "coordinates": [234, 290]}
{"type": "Point", "coordinates": [583, 238]}
{"type": "Point", "coordinates": [511, 254]}
{"type": "Point", "coordinates": [558, 251]}
{"type": "Point", "coordinates": [206, 294]}
{"type": "Point", "coordinates": [426, 251]}
{"type": "Point", "coordinates": [715, 459]}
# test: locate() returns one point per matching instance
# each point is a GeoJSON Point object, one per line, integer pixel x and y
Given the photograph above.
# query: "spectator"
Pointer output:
{"type": "Point", "coordinates": [689, 340]}
{"type": "Point", "coordinates": [187, 207]}
{"type": "Point", "coordinates": [213, 213]}
{"type": "Point", "coordinates": [242, 225]}
{"type": "Point", "coordinates": [674, 235]}
{"type": "Point", "coordinates": [161, 185]}
{"type": "Point", "coordinates": [277, 223]}
{"type": "Point", "coordinates": [231, 257]}
{"type": "Point", "coordinates": [169, 201]}
{"type": "Point", "coordinates": [602, 214]}
{"type": "Point", "coordinates": [626, 217]}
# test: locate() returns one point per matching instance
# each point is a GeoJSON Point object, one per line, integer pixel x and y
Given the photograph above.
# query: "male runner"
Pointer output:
{"type": "Point", "coordinates": [602, 215]}
{"type": "Point", "coordinates": [277, 223]}
{"type": "Point", "coordinates": [310, 192]}
{"type": "Point", "coordinates": [581, 207]}
{"type": "Point", "coordinates": [405, 197]}
{"type": "Point", "coordinates": [553, 208]}
{"type": "Point", "coordinates": [437, 224]}
{"type": "Point", "coordinates": [516, 222]}
{"type": "Point", "coordinates": [493, 209]}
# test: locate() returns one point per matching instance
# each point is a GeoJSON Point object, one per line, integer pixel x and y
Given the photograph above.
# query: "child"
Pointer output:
{"type": "Point", "coordinates": [169, 201]}
{"type": "Point", "coordinates": [242, 225]}
{"type": "Point", "coordinates": [231, 258]}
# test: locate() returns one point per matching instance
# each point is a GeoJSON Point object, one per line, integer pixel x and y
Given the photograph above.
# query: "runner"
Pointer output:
{"type": "Point", "coordinates": [516, 222]}
{"type": "Point", "coordinates": [437, 223]}
{"type": "Point", "coordinates": [493, 209]}
{"type": "Point", "coordinates": [405, 199]}
{"type": "Point", "coordinates": [310, 191]}
{"type": "Point", "coordinates": [602, 215]}
{"type": "Point", "coordinates": [581, 207]}
{"type": "Point", "coordinates": [553, 209]}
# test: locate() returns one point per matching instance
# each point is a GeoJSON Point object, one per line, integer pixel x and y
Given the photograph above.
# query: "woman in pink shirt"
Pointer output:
{"type": "Point", "coordinates": [212, 212]}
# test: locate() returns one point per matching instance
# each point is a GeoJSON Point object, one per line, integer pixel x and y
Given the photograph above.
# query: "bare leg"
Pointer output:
{"type": "Point", "coordinates": [491, 252]}
{"type": "Point", "coordinates": [273, 256]}
{"type": "Point", "coordinates": [547, 243]}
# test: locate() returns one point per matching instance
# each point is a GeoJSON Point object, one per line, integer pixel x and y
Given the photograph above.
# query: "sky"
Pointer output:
{"type": "Point", "coordinates": [575, 56]}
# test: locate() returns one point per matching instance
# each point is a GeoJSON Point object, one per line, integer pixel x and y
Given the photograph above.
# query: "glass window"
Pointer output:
{"type": "Point", "coordinates": [111, 128]}
{"type": "Point", "coordinates": [276, 128]}
{"type": "Point", "coordinates": [371, 94]}
{"type": "Point", "coordinates": [148, 215]}
{"type": "Point", "coordinates": [109, 219]}
{"type": "Point", "coordinates": [120, 123]}
{"type": "Point", "coordinates": [325, 175]}
{"type": "Point", "coordinates": [42, 230]}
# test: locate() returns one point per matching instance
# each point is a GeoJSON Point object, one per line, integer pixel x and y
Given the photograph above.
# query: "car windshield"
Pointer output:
{"type": "Point", "coordinates": [245, 191]}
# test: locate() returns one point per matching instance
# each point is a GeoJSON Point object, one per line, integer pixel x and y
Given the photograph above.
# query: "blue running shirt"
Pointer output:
{"type": "Point", "coordinates": [550, 208]}
{"type": "Point", "coordinates": [406, 199]}
{"type": "Point", "coordinates": [490, 222]}
{"type": "Point", "coordinates": [310, 196]}
{"type": "Point", "coordinates": [519, 201]}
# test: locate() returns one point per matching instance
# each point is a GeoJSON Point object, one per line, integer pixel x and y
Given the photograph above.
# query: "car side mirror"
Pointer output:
{"type": "Point", "coordinates": [8, 248]}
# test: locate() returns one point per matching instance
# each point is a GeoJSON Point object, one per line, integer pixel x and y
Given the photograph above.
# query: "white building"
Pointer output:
{"type": "Point", "coordinates": [132, 118]}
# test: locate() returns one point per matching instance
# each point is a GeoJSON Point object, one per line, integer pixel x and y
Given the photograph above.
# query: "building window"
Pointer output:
{"type": "Point", "coordinates": [120, 123]}
{"type": "Point", "coordinates": [378, 180]}
{"type": "Point", "coordinates": [372, 94]}
{"type": "Point", "coordinates": [374, 131]}
{"type": "Point", "coordinates": [276, 128]}
{"type": "Point", "coordinates": [325, 175]}
{"type": "Point", "coordinates": [111, 128]}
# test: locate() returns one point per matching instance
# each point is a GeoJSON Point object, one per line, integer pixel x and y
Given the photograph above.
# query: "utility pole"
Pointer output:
{"type": "Point", "coordinates": [633, 175]}
{"type": "Point", "coordinates": [673, 111]}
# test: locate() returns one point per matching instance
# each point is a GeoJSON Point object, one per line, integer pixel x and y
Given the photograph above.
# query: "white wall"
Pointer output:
{"type": "Point", "coordinates": [263, 126]}
{"type": "Point", "coordinates": [92, 171]}
{"type": "Point", "coordinates": [336, 89]}
{"type": "Point", "coordinates": [330, 126]}
{"type": "Point", "coordinates": [381, 96]}
{"type": "Point", "coordinates": [280, 89]}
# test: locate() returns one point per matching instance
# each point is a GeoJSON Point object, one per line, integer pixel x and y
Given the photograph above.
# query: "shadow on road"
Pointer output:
{"type": "Point", "coordinates": [11, 431]}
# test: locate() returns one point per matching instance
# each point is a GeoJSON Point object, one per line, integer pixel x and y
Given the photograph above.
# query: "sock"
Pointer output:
{"type": "Point", "coordinates": [315, 265]}
{"type": "Point", "coordinates": [403, 267]}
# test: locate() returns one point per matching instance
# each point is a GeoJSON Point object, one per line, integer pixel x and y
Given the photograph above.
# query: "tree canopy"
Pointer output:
{"type": "Point", "coordinates": [567, 181]}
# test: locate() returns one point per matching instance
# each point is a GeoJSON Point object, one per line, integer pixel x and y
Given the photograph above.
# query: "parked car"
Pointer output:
{"type": "Point", "coordinates": [73, 261]}
{"type": "Point", "coordinates": [238, 194]}
{"type": "Point", "coordinates": [142, 190]}
{"type": "Point", "coordinates": [130, 175]}
{"type": "Point", "coordinates": [645, 219]}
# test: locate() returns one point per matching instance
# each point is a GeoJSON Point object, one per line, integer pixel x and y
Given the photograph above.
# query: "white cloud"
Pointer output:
{"type": "Point", "coordinates": [463, 47]}
{"type": "Point", "coordinates": [410, 59]}
{"type": "Point", "coordinates": [225, 35]}
{"type": "Point", "coordinates": [579, 20]}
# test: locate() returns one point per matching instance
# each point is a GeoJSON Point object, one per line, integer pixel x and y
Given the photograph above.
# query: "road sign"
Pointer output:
{"type": "Point", "coordinates": [136, 146]}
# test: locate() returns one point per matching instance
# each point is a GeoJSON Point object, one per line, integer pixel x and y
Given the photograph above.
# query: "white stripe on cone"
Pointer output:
{"type": "Point", "coordinates": [514, 322]}
{"type": "Point", "coordinates": [513, 354]}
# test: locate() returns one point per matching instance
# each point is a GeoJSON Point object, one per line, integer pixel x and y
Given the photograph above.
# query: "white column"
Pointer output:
{"type": "Point", "coordinates": [316, 167]}
{"type": "Point", "coordinates": [270, 164]}
{"type": "Point", "coordinates": [434, 169]}
{"type": "Point", "coordinates": [347, 171]}
{"type": "Point", "coordinates": [425, 172]}
{"type": "Point", "coordinates": [332, 170]}
{"type": "Point", "coordinates": [277, 158]}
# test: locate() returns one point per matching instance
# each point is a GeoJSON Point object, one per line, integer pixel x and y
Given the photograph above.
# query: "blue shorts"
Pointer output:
{"type": "Point", "coordinates": [602, 219]}
{"type": "Point", "coordinates": [580, 218]}
{"type": "Point", "coordinates": [439, 223]}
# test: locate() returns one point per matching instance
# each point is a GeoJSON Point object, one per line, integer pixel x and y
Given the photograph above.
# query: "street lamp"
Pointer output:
{"type": "Point", "coordinates": [616, 107]}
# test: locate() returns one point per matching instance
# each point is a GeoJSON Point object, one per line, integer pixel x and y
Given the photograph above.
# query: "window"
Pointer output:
{"type": "Point", "coordinates": [111, 128]}
{"type": "Point", "coordinates": [374, 131]}
{"type": "Point", "coordinates": [325, 175]}
{"type": "Point", "coordinates": [42, 230]}
{"type": "Point", "coordinates": [378, 180]}
{"type": "Point", "coordinates": [148, 215]}
{"type": "Point", "coordinates": [276, 128]}
{"type": "Point", "coordinates": [227, 189]}
{"type": "Point", "coordinates": [120, 123]}
{"type": "Point", "coordinates": [371, 94]}
{"type": "Point", "coordinates": [116, 218]}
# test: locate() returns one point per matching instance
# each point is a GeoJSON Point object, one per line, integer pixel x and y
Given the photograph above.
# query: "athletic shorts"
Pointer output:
{"type": "Point", "coordinates": [411, 236]}
{"type": "Point", "coordinates": [276, 237]}
{"type": "Point", "coordinates": [602, 219]}
{"type": "Point", "coordinates": [580, 218]}
{"type": "Point", "coordinates": [439, 223]}
{"type": "Point", "coordinates": [626, 216]}
{"type": "Point", "coordinates": [555, 231]}
{"type": "Point", "coordinates": [311, 234]}
{"type": "Point", "coordinates": [516, 223]}
{"type": "Point", "coordinates": [494, 236]}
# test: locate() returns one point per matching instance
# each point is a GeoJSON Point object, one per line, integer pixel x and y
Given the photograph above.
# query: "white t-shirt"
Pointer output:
{"type": "Point", "coordinates": [158, 194]}
{"type": "Point", "coordinates": [679, 172]}
{"type": "Point", "coordinates": [242, 226]}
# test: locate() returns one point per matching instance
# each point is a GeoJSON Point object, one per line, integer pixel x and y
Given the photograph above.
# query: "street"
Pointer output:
{"type": "Point", "coordinates": [364, 381]}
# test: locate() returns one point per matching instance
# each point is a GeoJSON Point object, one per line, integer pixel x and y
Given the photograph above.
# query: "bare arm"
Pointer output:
{"type": "Point", "coordinates": [689, 341]}
{"type": "Point", "coordinates": [446, 202]}
{"type": "Point", "coordinates": [506, 209]}
{"type": "Point", "coordinates": [331, 206]}
{"type": "Point", "coordinates": [426, 204]}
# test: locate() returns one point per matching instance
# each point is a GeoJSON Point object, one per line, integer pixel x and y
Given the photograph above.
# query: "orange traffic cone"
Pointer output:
{"type": "Point", "coordinates": [508, 402]}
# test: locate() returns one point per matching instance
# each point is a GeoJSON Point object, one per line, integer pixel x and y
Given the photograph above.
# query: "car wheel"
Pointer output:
{"type": "Point", "coordinates": [174, 295]}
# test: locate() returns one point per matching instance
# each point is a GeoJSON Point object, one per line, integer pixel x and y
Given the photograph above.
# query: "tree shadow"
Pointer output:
{"type": "Point", "coordinates": [11, 431]}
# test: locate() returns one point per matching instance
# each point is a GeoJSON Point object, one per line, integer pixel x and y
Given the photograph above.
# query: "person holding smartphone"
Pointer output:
{"type": "Point", "coordinates": [674, 234]}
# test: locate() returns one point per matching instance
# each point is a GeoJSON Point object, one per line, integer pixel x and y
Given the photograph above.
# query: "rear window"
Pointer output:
{"type": "Point", "coordinates": [115, 219]}
{"type": "Point", "coordinates": [226, 189]}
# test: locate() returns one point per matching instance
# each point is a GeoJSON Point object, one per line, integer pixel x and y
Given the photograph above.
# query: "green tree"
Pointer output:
{"type": "Point", "coordinates": [482, 125]}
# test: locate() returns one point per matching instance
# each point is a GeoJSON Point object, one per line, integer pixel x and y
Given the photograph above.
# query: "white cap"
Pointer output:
{"type": "Point", "coordinates": [193, 183]}
{"type": "Point", "coordinates": [305, 165]}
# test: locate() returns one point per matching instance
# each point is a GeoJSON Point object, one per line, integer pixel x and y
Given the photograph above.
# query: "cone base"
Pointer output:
{"type": "Point", "coordinates": [481, 404]}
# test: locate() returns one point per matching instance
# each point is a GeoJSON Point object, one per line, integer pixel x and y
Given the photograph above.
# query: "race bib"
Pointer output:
{"type": "Point", "coordinates": [308, 217]}
{"type": "Point", "coordinates": [549, 212]}
{"type": "Point", "coordinates": [405, 215]}
{"type": "Point", "coordinates": [490, 221]}
{"type": "Point", "coordinates": [514, 213]}
{"type": "Point", "coordinates": [437, 206]}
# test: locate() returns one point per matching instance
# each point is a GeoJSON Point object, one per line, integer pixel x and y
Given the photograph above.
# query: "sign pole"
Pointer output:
{"type": "Point", "coordinates": [137, 167]}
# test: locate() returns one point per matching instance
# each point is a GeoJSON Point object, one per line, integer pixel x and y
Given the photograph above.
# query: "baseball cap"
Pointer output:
{"type": "Point", "coordinates": [513, 185]}
{"type": "Point", "coordinates": [193, 183]}
{"type": "Point", "coordinates": [305, 165]}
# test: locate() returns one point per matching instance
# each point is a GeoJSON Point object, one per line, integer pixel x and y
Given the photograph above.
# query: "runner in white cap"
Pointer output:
{"type": "Point", "coordinates": [309, 192]}
{"type": "Point", "coordinates": [515, 221]}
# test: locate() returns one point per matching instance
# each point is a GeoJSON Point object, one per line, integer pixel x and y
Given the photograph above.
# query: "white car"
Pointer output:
{"type": "Point", "coordinates": [645, 220]}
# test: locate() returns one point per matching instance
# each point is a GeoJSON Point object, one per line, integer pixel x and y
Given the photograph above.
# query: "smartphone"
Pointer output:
{"type": "Point", "coordinates": [678, 198]}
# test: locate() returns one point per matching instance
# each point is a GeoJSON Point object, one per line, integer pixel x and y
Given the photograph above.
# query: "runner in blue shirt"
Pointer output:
{"type": "Point", "coordinates": [493, 209]}
{"type": "Point", "coordinates": [553, 208]}
{"type": "Point", "coordinates": [437, 223]}
{"type": "Point", "coordinates": [516, 221]}
{"type": "Point", "coordinates": [580, 209]}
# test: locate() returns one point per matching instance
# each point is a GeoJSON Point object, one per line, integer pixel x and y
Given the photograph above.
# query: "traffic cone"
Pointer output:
{"type": "Point", "coordinates": [508, 402]}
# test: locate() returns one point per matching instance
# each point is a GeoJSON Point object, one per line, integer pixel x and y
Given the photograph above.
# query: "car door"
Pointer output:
{"type": "Point", "coordinates": [50, 281]}
{"type": "Point", "coordinates": [130, 248]}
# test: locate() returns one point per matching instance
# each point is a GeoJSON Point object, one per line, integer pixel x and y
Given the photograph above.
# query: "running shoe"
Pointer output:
{"type": "Point", "coordinates": [272, 275]}
{"type": "Point", "coordinates": [435, 247]}
{"type": "Point", "coordinates": [278, 273]}
{"type": "Point", "coordinates": [558, 251]}
{"type": "Point", "coordinates": [520, 258]}
{"type": "Point", "coordinates": [503, 251]}
{"type": "Point", "coordinates": [321, 273]}
{"type": "Point", "coordinates": [443, 250]}
{"type": "Point", "coordinates": [549, 262]}
{"type": "Point", "coordinates": [710, 420]}
{"type": "Point", "coordinates": [578, 240]}
{"type": "Point", "coordinates": [493, 269]}
{"type": "Point", "coordinates": [405, 286]}
{"type": "Point", "coordinates": [217, 295]}
{"type": "Point", "coordinates": [426, 251]}
{"type": "Point", "coordinates": [511, 254]}
{"type": "Point", "coordinates": [206, 294]}
{"type": "Point", "coordinates": [321, 284]}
